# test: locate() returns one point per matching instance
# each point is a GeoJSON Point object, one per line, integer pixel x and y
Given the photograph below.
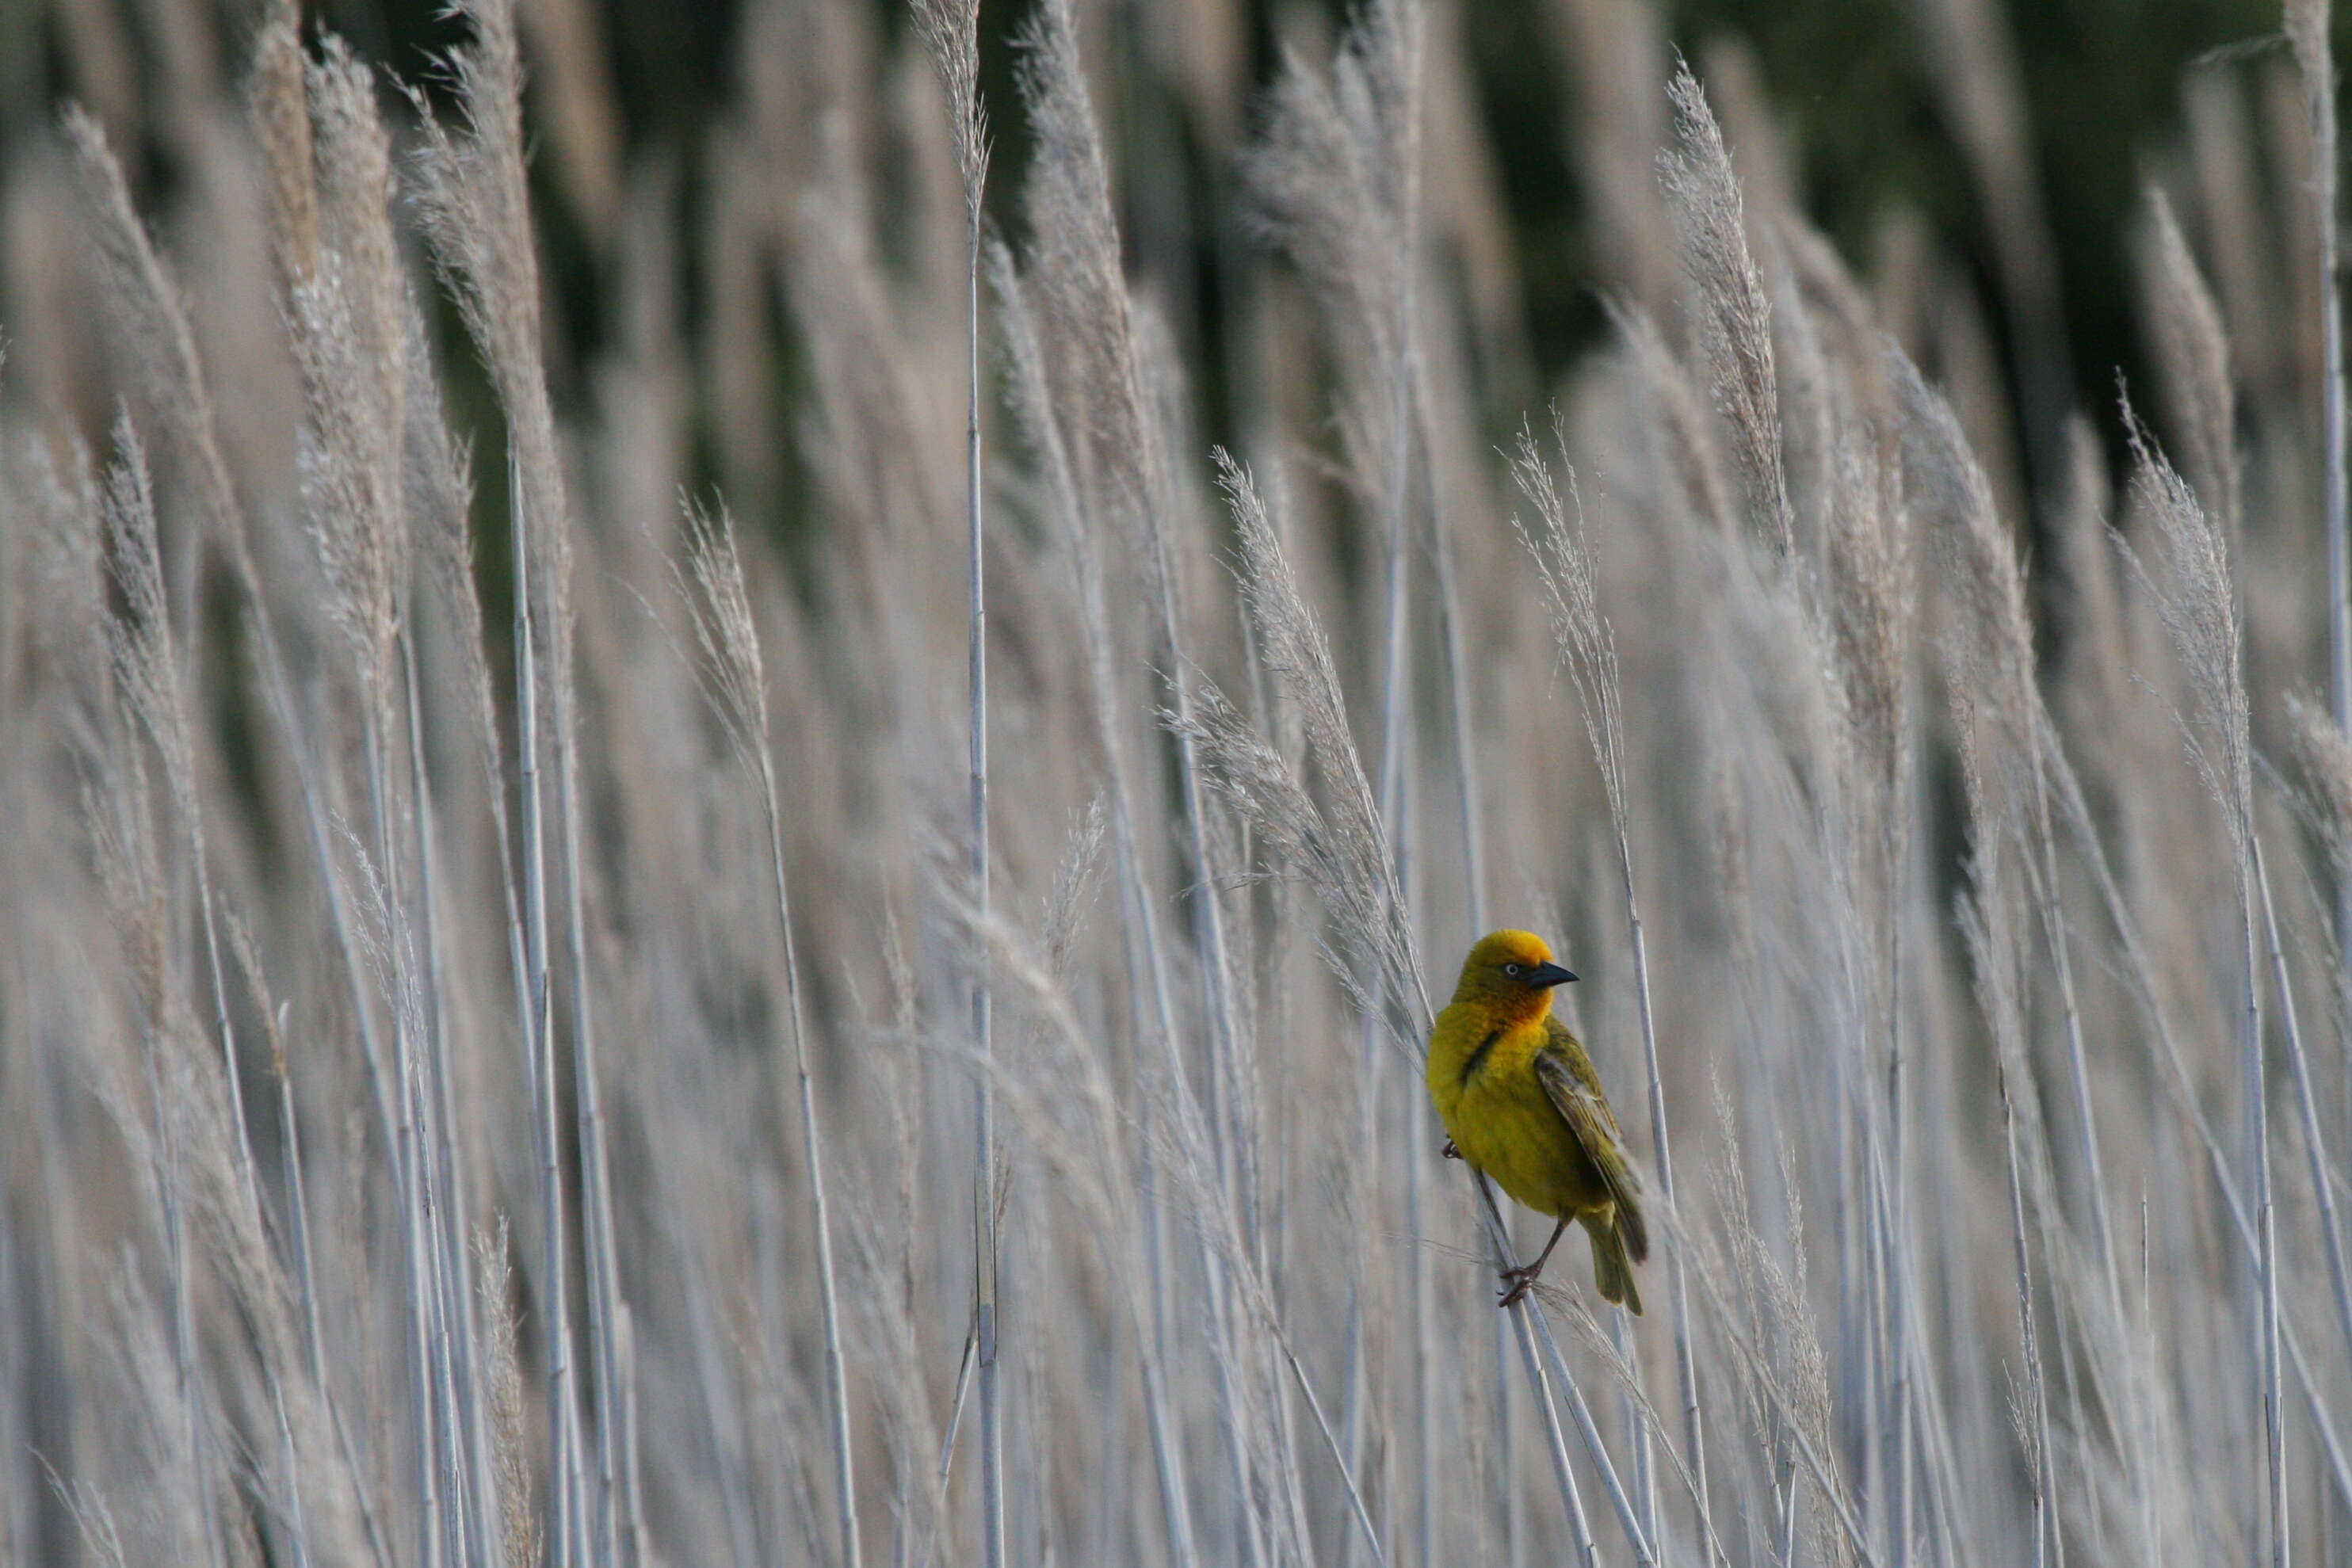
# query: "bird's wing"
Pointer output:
{"type": "Point", "coordinates": [1574, 1090]}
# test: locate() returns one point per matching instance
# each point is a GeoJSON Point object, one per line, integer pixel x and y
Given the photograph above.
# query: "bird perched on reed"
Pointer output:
{"type": "Point", "coordinates": [1522, 1104]}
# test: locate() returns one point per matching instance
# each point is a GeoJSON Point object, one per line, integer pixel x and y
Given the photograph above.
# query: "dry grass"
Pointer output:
{"type": "Point", "coordinates": [898, 1035]}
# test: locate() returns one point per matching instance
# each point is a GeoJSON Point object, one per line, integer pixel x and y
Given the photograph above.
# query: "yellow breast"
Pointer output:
{"type": "Point", "coordinates": [1483, 1081]}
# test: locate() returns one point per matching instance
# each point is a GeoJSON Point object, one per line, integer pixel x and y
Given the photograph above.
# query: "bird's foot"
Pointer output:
{"type": "Point", "coordinates": [1449, 1151]}
{"type": "Point", "coordinates": [1520, 1280]}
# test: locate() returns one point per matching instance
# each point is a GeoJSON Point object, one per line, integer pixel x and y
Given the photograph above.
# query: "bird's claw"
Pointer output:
{"type": "Point", "coordinates": [1521, 1280]}
{"type": "Point", "coordinates": [1449, 1151]}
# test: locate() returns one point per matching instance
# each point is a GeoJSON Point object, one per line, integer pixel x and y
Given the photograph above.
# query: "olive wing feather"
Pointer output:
{"type": "Point", "coordinates": [1574, 1090]}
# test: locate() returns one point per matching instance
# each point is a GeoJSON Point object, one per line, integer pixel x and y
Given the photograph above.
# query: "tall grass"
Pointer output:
{"type": "Point", "coordinates": [879, 1011]}
{"type": "Point", "coordinates": [953, 36]}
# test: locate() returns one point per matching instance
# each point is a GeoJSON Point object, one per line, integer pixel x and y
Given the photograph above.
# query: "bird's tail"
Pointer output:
{"type": "Point", "coordinates": [1613, 1271]}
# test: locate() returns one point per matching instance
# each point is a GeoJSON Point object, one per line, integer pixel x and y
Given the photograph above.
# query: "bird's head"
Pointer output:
{"type": "Point", "coordinates": [1511, 971]}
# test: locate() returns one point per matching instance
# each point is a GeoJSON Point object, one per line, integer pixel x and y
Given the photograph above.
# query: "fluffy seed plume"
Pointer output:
{"type": "Point", "coordinates": [1735, 319]}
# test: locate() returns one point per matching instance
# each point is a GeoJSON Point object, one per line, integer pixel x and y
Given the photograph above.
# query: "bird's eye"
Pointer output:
{"type": "Point", "coordinates": [1510, 969]}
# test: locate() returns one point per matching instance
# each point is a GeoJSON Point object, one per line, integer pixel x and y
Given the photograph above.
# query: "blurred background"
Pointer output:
{"type": "Point", "coordinates": [1979, 163]}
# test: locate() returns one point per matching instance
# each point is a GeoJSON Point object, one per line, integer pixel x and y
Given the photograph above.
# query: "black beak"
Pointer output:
{"type": "Point", "coordinates": [1543, 977]}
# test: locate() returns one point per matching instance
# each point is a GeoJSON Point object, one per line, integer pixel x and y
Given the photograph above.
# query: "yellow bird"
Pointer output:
{"type": "Point", "coordinates": [1522, 1104]}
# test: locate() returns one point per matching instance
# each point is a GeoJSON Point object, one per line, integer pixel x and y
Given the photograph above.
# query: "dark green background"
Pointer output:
{"type": "Point", "coordinates": [2103, 80]}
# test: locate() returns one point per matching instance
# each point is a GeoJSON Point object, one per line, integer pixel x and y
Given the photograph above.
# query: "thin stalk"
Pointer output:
{"type": "Point", "coordinates": [2308, 26]}
{"type": "Point", "coordinates": [1644, 1451]}
{"type": "Point", "coordinates": [279, 688]}
{"type": "Point", "coordinates": [297, 1533]}
{"type": "Point", "coordinates": [984, 1188]}
{"type": "Point", "coordinates": [955, 1412]}
{"type": "Point", "coordinates": [1473, 862]}
{"type": "Point", "coordinates": [1396, 685]}
{"type": "Point", "coordinates": [2062, 970]}
{"type": "Point", "coordinates": [950, 29]}
{"type": "Point", "coordinates": [2035, 1389]}
{"type": "Point", "coordinates": [1286, 1448]}
{"type": "Point", "coordinates": [2258, 1134]}
{"type": "Point", "coordinates": [1425, 1361]}
{"type": "Point", "coordinates": [1685, 1362]}
{"type": "Point", "coordinates": [1866, 1346]}
{"type": "Point", "coordinates": [836, 1377]}
{"type": "Point", "coordinates": [2043, 868]}
{"type": "Point", "coordinates": [1168, 1459]}
{"type": "Point", "coordinates": [1466, 788]}
{"type": "Point", "coordinates": [596, 1237]}
{"type": "Point", "coordinates": [290, 1148]}
{"type": "Point", "coordinates": [1148, 972]}
{"type": "Point", "coordinates": [1760, 1368]}
{"type": "Point", "coordinates": [1224, 1138]}
{"type": "Point", "coordinates": [1505, 1449]}
{"type": "Point", "coordinates": [1466, 756]}
{"type": "Point", "coordinates": [2323, 1424]}
{"type": "Point", "coordinates": [1521, 1320]}
{"type": "Point", "coordinates": [548, 1123]}
{"type": "Point", "coordinates": [483, 1544]}
{"type": "Point", "coordinates": [1852, 1285]}
{"type": "Point", "coordinates": [1895, 1202]}
{"type": "Point", "coordinates": [1208, 916]}
{"type": "Point", "coordinates": [183, 1331]}
{"type": "Point", "coordinates": [1883, 1152]}
{"type": "Point", "coordinates": [633, 1480]}
{"type": "Point", "coordinates": [408, 1158]}
{"type": "Point", "coordinates": [1395, 700]}
{"type": "Point", "coordinates": [1893, 863]}
{"type": "Point", "coordinates": [1347, 1476]}
{"type": "Point", "coordinates": [575, 1464]}
{"type": "Point", "coordinates": [1533, 1322]}
{"type": "Point", "coordinates": [1787, 1484]}
{"type": "Point", "coordinates": [1587, 646]}
{"type": "Point", "coordinates": [732, 1486]}
{"type": "Point", "coordinates": [1636, 1405]}
{"type": "Point", "coordinates": [1396, 677]}
{"type": "Point", "coordinates": [1937, 1461]}
{"type": "Point", "coordinates": [1644, 1556]}
{"type": "Point", "coordinates": [2142, 971]}
{"type": "Point", "coordinates": [227, 1036]}
{"type": "Point", "coordinates": [455, 1454]}
{"type": "Point", "coordinates": [2323, 1185]}
{"type": "Point", "coordinates": [1356, 1394]}
{"type": "Point", "coordinates": [1208, 930]}
{"type": "Point", "coordinates": [1148, 981]}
